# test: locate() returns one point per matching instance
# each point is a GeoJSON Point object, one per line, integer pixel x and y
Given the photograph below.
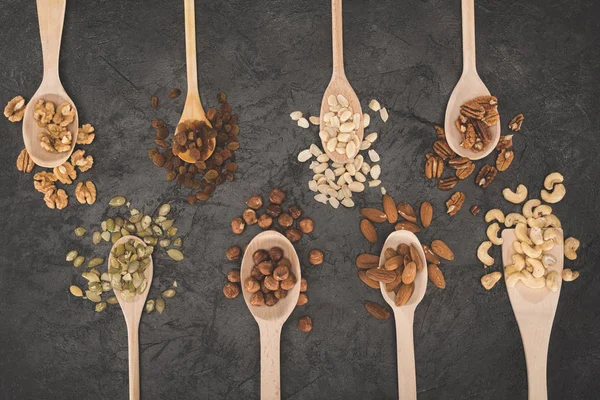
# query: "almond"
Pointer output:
{"type": "Point", "coordinates": [389, 208]}
{"type": "Point", "coordinates": [367, 261]}
{"type": "Point", "coordinates": [391, 287]}
{"type": "Point", "coordinates": [393, 263]}
{"type": "Point", "coordinates": [441, 249]}
{"type": "Point", "coordinates": [368, 281]}
{"type": "Point", "coordinates": [389, 253]}
{"type": "Point", "coordinates": [381, 275]}
{"type": "Point", "coordinates": [416, 257]}
{"type": "Point", "coordinates": [403, 249]}
{"type": "Point", "coordinates": [368, 230]}
{"type": "Point", "coordinates": [430, 255]}
{"type": "Point", "coordinates": [407, 226]}
{"type": "Point", "coordinates": [406, 211]}
{"type": "Point", "coordinates": [435, 276]}
{"type": "Point", "coordinates": [426, 214]}
{"type": "Point", "coordinates": [404, 294]}
{"type": "Point", "coordinates": [377, 310]}
{"type": "Point", "coordinates": [373, 214]}
{"type": "Point", "coordinates": [410, 273]}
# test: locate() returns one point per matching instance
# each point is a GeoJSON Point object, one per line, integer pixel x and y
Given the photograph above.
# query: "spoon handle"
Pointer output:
{"type": "Point", "coordinates": [190, 47]}
{"type": "Point", "coordinates": [133, 344]}
{"type": "Point", "coordinates": [468, 35]}
{"type": "Point", "coordinates": [536, 338]}
{"type": "Point", "coordinates": [51, 17]}
{"type": "Point", "coordinates": [270, 386]}
{"type": "Point", "coordinates": [337, 37]}
{"type": "Point", "coordinates": [407, 377]}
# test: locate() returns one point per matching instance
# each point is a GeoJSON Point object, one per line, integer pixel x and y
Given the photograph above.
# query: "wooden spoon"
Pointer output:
{"type": "Point", "coordinates": [534, 310]}
{"type": "Point", "coordinates": [339, 83]}
{"type": "Point", "coordinates": [404, 316]}
{"type": "Point", "coordinates": [192, 109]}
{"type": "Point", "coordinates": [271, 319]}
{"type": "Point", "coordinates": [51, 16]}
{"type": "Point", "coordinates": [468, 87]}
{"type": "Point", "coordinates": [132, 311]}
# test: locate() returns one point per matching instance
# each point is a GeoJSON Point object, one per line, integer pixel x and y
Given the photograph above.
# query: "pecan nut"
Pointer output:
{"type": "Point", "coordinates": [443, 150]}
{"type": "Point", "coordinates": [505, 142]}
{"type": "Point", "coordinates": [455, 203]}
{"type": "Point", "coordinates": [472, 109]}
{"type": "Point", "coordinates": [434, 167]}
{"type": "Point", "coordinates": [469, 136]}
{"type": "Point", "coordinates": [505, 158]}
{"type": "Point", "coordinates": [464, 173]}
{"type": "Point", "coordinates": [447, 183]}
{"type": "Point", "coordinates": [515, 123]}
{"type": "Point", "coordinates": [459, 162]}
{"type": "Point", "coordinates": [486, 175]}
{"type": "Point", "coordinates": [439, 131]}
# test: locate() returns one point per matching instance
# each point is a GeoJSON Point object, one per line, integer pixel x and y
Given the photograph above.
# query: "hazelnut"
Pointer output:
{"type": "Point", "coordinates": [280, 293]}
{"type": "Point", "coordinates": [277, 196]}
{"type": "Point", "coordinates": [274, 210]}
{"type": "Point", "coordinates": [263, 288]}
{"type": "Point", "coordinates": [234, 275]}
{"type": "Point", "coordinates": [237, 225]}
{"type": "Point", "coordinates": [233, 253]}
{"type": "Point", "coordinates": [270, 299]}
{"type": "Point", "coordinates": [281, 273]}
{"type": "Point", "coordinates": [303, 285]}
{"type": "Point", "coordinates": [305, 324]}
{"type": "Point", "coordinates": [249, 216]}
{"type": "Point", "coordinates": [231, 290]}
{"type": "Point", "coordinates": [288, 283]}
{"type": "Point", "coordinates": [306, 225]}
{"type": "Point", "coordinates": [293, 235]}
{"type": "Point", "coordinates": [252, 285]}
{"type": "Point", "coordinates": [256, 274]}
{"type": "Point", "coordinates": [260, 256]}
{"type": "Point", "coordinates": [285, 262]}
{"type": "Point", "coordinates": [266, 267]}
{"type": "Point", "coordinates": [302, 299]}
{"type": "Point", "coordinates": [271, 283]}
{"type": "Point", "coordinates": [254, 202]}
{"type": "Point", "coordinates": [295, 211]}
{"type": "Point", "coordinates": [265, 221]}
{"type": "Point", "coordinates": [257, 299]}
{"type": "Point", "coordinates": [276, 253]}
{"type": "Point", "coordinates": [316, 257]}
{"type": "Point", "coordinates": [285, 220]}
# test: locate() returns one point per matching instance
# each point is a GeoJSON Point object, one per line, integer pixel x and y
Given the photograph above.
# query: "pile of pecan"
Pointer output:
{"type": "Point", "coordinates": [474, 122]}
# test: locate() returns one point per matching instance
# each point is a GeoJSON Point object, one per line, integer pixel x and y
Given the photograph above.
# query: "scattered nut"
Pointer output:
{"type": "Point", "coordinates": [305, 324]}
{"type": "Point", "coordinates": [488, 281]}
{"type": "Point", "coordinates": [571, 246]}
{"type": "Point", "coordinates": [516, 197]}
{"type": "Point", "coordinates": [316, 257]}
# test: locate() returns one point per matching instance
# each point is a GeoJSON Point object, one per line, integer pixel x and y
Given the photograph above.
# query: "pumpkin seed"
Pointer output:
{"type": "Point", "coordinates": [94, 286]}
{"type": "Point", "coordinates": [169, 293]}
{"type": "Point", "coordinates": [134, 219]}
{"type": "Point", "coordinates": [94, 262]}
{"type": "Point", "coordinates": [164, 243]}
{"type": "Point", "coordinates": [100, 306]}
{"type": "Point", "coordinates": [164, 210]}
{"type": "Point", "coordinates": [76, 291]}
{"type": "Point", "coordinates": [78, 261]}
{"type": "Point", "coordinates": [146, 221]}
{"type": "Point", "coordinates": [110, 225]}
{"type": "Point", "coordinates": [166, 224]}
{"type": "Point", "coordinates": [96, 237]}
{"type": "Point", "coordinates": [93, 296]}
{"type": "Point", "coordinates": [80, 231]}
{"type": "Point", "coordinates": [117, 201]}
{"type": "Point", "coordinates": [112, 300]}
{"type": "Point", "coordinates": [175, 254]}
{"type": "Point", "coordinates": [160, 305]}
{"type": "Point", "coordinates": [90, 276]}
{"type": "Point", "coordinates": [150, 306]}
{"type": "Point", "coordinates": [105, 236]}
{"type": "Point", "coordinates": [72, 255]}
{"type": "Point", "coordinates": [172, 231]}
{"type": "Point", "coordinates": [115, 236]}
{"type": "Point", "coordinates": [177, 242]}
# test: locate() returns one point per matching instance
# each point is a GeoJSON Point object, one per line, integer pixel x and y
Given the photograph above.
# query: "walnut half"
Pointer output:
{"type": "Point", "coordinates": [44, 182]}
{"type": "Point", "coordinates": [56, 199]}
{"type": "Point", "coordinates": [43, 112]}
{"type": "Point", "coordinates": [65, 173]}
{"type": "Point", "coordinates": [65, 114]}
{"type": "Point", "coordinates": [86, 135]}
{"type": "Point", "coordinates": [85, 192]}
{"type": "Point", "coordinates": [24, 162]}
{"type": "Point", "coordinates": [78, 159]}
{"type": "Point", "coordinates": [15, 109]}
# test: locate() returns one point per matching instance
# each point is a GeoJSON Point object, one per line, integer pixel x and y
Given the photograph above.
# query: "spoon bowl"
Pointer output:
{"type": "Point", "coordinates": [271, 319]}
{"type": "Point", "coordinates": [404, 315]}
{"type": "Point", "coordinates": [51, 16]}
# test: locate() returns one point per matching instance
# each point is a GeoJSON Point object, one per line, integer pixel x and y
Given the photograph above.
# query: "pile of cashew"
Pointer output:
{"type": "Point", "coordinates": [536, 232]}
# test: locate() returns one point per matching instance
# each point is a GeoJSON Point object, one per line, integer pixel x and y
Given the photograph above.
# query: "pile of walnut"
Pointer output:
{"type": "Point", "coordinates": [193, 137]}
{"type": "Point", "coordinates": [55, 137]}
{"type": "Point", "coordinates": [396, 268]}
{"type": "Point", "coordinates": [463, 167]}
{"type": "Point", "coordinates": [537, 232]}
{"type": "Point", "coordinates": [45, 181]}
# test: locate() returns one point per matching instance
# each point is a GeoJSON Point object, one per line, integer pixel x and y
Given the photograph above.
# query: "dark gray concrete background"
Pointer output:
{"type": "Point", "coordinates": [272, 57]}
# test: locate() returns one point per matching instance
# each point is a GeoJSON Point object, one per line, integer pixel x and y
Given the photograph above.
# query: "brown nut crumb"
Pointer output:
{"type": "Point", "coordinates": [276, 254]}
{"type": "Point", "coordinates": [154, 102]}
{"type": "Point", "coordinates": [302, 300]}
{"type": "Point", "coordinates": [174, 93]}
{"type": "Point", "coordinates": [303, 285]}
{"type": "Point", "coordinates": [233, 253]}
{"type": "Point", "coordinates": [277, 196]}
{"type": "Point", "coordinates": [475, 209]}
{"type": "Point", "coordinates": [305, 324]}
{"type": "Point", "coordinates": [15, 109]}
{"type": "Point", "coordinates": [285, 220]}
{"type": "Point", "coordinates": [265, 221]}
{"type": "Point", "coordinates": [254, 202]}
{"type": "Point", "coordinates": [306, 225]}
{"type": "Point", "coordinates": [252, 285]}
{"type": "Point", "coordinates": [316, 257]}
{"type": "Point", "coordinates": [79, 160]}
{"type": "Point", "coordinates": [257, 299]}
{"type": "Point", "coordinates": [237, 226]}
{"type": "Point", "coordinates": [56, 199]}
{"type": "Point", "coordinates": [231, 290]}
{"type": "Point", "coordinates": [234, 276]}
{"type": "Point", "coordinates": [249, 216]}
{"type": "Point", "coordinates": [293, 235]}
{"type": "Point", "coordinates": [24, 162]}
{"type": "Point", "coordinates": [85, 192]}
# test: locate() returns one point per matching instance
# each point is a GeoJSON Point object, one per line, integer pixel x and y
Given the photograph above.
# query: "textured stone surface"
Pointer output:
{"type": "Point", "coordinates": [272, 57]}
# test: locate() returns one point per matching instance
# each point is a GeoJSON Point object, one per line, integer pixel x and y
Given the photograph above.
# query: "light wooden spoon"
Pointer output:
{"type": "Point", "coordinates": [271, 319]}
{"type": "Point", "coordinates": [468, 87]}
{"type": "Point", "coordinates": [132, 311]}
{"type": "Point", "coordinates": [534, 310]}
{"type": "Point", "coordinates": [339, 83]}
{"type": "Point", "coordinates": [192, 109]}
{"type": "Point", "coordinates": [404, 316]}
{"type": "Point", "coordinates": [51, 16]}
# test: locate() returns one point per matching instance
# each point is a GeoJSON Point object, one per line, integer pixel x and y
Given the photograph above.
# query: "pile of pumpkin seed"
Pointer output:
{"type": "Point", "coordinates": [128, 261]}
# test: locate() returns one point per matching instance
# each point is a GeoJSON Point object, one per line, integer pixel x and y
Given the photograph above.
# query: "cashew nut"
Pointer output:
{"type": "Point", "coordinates": [509, 270]}
{"type": "Point", "coordinates": [518, 262]}
{"type": "Point", "coordinates": [552, 179]}
{"type": "Point", "coordinates": [512, 279]}
{"type": "Point", "coordinates": [522, 234]}
{"type": "Point", "coordinates": [553, 221]}
{"type": "Point", "coordinates": [515, 197]}
{"type": "Point", "coordinates": [482, 253]}
{"type": "Point", "coordinates": [532, 282]}
{"type": "Point", "coordinates": [538, 268]}
{"type": "Point", "coordinates": [539, 222]}
{"type": "Point", "coordinates": [494, 214]}
{"type": "Point", "coordinates": [552, 281]}
{"type": "Point", "coordinates": [553, 234]}
{"type": "Point", "coordinates": [488, 281]}
{"type": "Point", "coordinates": [514, 218]}
{"type": "Point", "coordinates": [532, 252]}
{"type": "Point", "coordinates": [547, 245]}
{"type": "Point", "coordinates": [492, 234]}
{"type": "Point", "coordinates": [528, 207]}
{"type": "Point", "coordinates": [568, 275]}
{"type": "Point", "coordinates": [542, 210]}
{"type": "Point", "coordinates": [536, 235]}
{"type": "Point", "coordinates": [571, 246]}
{"type": "Point", "coordinates": [548, 260]}
{"type": "Point", "coordinates": [554, 196]}
{"type": "Point", "coordinates": [517, 247]}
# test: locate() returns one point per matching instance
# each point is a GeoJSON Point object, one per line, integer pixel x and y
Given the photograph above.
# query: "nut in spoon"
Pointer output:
{"type": "Point", "coordinates": [192, 110]}
{"type": "Point", "coordinates": [468, 87]}
{"type": "Point", "coordinates": [339, 85]}
{"type": "Point", "coordinates": [51, 16]}
{"type": "Point", "coordinates": [534, 311]}
{"type": "Point", "coordinates": [271, 319]}
{"type": "Point", "coordinates": [132, 311]}
{"type": "Point", "coordinates": [404, 315]}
